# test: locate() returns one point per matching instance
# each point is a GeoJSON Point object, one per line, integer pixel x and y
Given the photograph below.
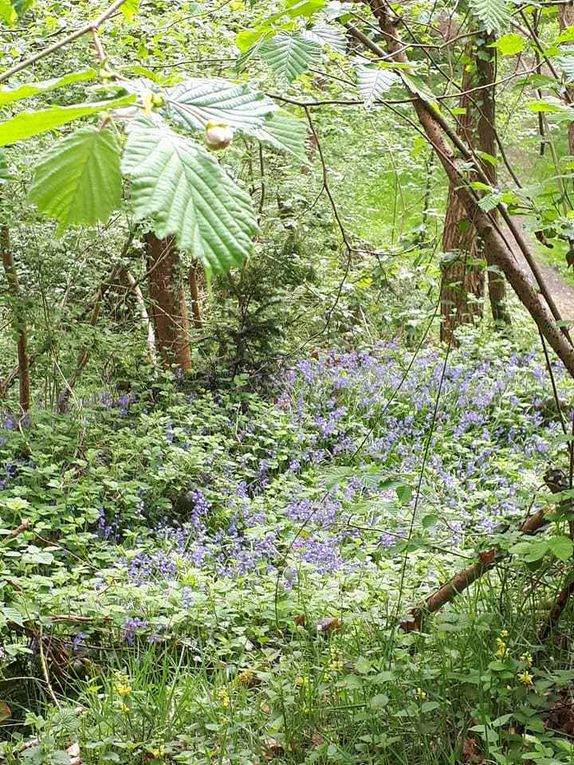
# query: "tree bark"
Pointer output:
{"type": "Point", "coordinates": [462, 278]}
{"type": "Point", "coordinates": [486, 130]}
{"type": "Point", "coordinates": [18, 318]}
{"type": "Point", "coordinates": [168, 305]}
{"type": "Point", "coordinates": [193, 278]}
{"type": "Point", "coordinates": [146, 321]}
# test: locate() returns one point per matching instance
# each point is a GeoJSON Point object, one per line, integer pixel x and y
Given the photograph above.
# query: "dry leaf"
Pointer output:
{"type": "Point", "coordinates": [5, 711]}
{"type": "Point", "coordinates": [73, 753]}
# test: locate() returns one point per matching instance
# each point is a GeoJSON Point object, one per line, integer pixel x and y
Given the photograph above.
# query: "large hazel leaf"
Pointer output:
{"type": "Point", "coordinates": [493, 14]}
{"type": "Point", "coordinates": [79, 182]}
{"type": "Point", "coordinates": [373, 82]}
{"type": "Point", "coordinates": [28, 124]}
{"type": "Point", "coordinates": [196, 102]}
{"type": "Point", "coordinates": [290, 55]}
{"type": "Point", "coordinates": [187, 194]}
{"type": "Point", "coordinates": [285, 133]}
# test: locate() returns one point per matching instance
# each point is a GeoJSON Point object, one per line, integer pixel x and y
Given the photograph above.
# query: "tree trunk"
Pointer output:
{"type": "Point", "coordinates": [146, 321]}
{"type": "Point", "coordinates": [486, 129]}
{"type": "Point", "coordinates": [193, 278]}
{"type": "Point", "coordinates": [18, 318]}
{"type": "Point", "coordinates": [462, 278]}
{"type": "Point", "coordinates": [168, 306]}
{"type": "Point", "coordinates": [566, 19]}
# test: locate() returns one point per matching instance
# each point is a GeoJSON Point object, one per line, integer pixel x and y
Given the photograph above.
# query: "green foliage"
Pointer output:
{"type": "Point", "coordinates": [373, 82]}
{"type": "Point", "coordinates": [187, 193]}
{"type": "Point", "coordinates": [31, 123]}
{"type": "Point", "coordinates": [9, 95]}
{"type": "Point", "coordinates": [79, 181]}
{"type": "Point", "coordinates": [194, 103]}
{"type": "Point", "coordinates": [290, 55]}
{"type": "Point", "coordinates": [493, 14]}
{"type": "Point", "coordinates": [285, 133]}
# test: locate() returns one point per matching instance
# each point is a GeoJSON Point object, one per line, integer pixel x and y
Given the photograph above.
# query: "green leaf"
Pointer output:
{"type": "Point", "coordinates": [327, 35]}
{"type": "Point", "coordinates": [22, 6]}
{"type": "Point", "coordinates": [285, 133]}
{"type": "Point", "coordinates": [79, 182]}
{"type": "Point", "coordinates": [130, 8]}
{"type": "Point", "coordinates": [250, 37]}
{"type": "Point", "coordinates": [561, 547]}
{"type": "Point", "coordinates": [494, 14]}
{"type": "Point", "coordinates": [8, 95]}
{"type": "Point", "coordinates": [290, 55]}
{"type": "Point", "coordinates": [181, 186]}
{"type": "Point", "coordinates": [510, 45]}
{"type": "Point", "coordinates": [27, 124]}
{"type": "Point", "coordinates": [307, 8]}
{"type": "Point", "coordinates": [196, 102]}
{"type": "Point", "coordinates": [566, 64]}
{"type": "Point", "coordinates": [373, 82]}
{"type": "Point", "coordinates": [4, 172]}
{"type": "Point", "coordinates": [8, 13]}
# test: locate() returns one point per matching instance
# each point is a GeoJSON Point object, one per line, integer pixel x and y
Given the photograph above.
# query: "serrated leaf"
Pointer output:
{"type": "Point", "coordinates": [285, 133]}
{"type": "Point", "coordinates": [290, 55]}
{"type": "Point", "coordinates": [561, 547]}
{"type": "Point", "coordinates": [12, 615]}
{"type": "Point", "coordinates": [79, 182]}
{"type": "Point", "coordinates": [493, 14]}
{"type": "Point", "coordinates": [510, 44]}
{"type": "Point", "coordinates": [373, 81]}
{"type": "Point", "coordinates": [181, 186]}
{"type": "Point", "coordinates": [329, 35]}
{"type": "Point", "coordinates": [28, 124]}
{"type": "Point", "coordinates": [28, 89]}
{"type": "Point", "coordinates": [566, 64]}
{"type": "Point", "coordinates": [489, 201]}
{"type": "Point", "coordinates": [196, 102]}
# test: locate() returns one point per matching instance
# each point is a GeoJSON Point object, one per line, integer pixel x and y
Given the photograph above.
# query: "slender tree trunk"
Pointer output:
{"type": "Point", "coordinates": [462, 277]}
{"type": "Point", "coordinates": [168, 306]}
{"type": "Point", "coordinates": [566, 19]}
{"type": "Point", "coordinates": [146, 321]}
{"type": "Point", "coordinates": [18, 318]}
{"type": "Point", "coordinates": [193, 278]}
{"type": "Point", "coordinates": [486, 129]}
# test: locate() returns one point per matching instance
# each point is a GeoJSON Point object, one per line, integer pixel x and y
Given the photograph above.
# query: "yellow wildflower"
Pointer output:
{"type": "Point", "coordinates": [527, 659]}
{"type": "Point", "coordinates": [302, 682]}
{"type": "Point", "coordinates": [501, 648]}
{"type": "Point", "coordinates": [421, 695]}
{"type": "Point", "coordinates": [223, 697]}
{"type": "Point", "coordinates": [124, 708]}
{"type": "Point", "coordinates": [525, 678]}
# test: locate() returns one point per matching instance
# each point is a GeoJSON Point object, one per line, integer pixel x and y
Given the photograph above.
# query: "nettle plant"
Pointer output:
{"type": "Point", "coordinates": [157, 144]}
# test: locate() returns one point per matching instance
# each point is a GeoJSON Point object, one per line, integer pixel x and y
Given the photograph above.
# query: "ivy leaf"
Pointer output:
{"type": "Point", "coordinates": [26, 90]}
{"type": "Point", "coordinates": [285, 133]}
{"type": "Point", "coordinates": [27, 124]}
{"type": "Point", "coordinates": [185, 191]}
{"type": "Point", "coordinates": [373, 82]}
{"type": "Point", "coordinates": [494, 14]}
{"type": "Point", "coordinates": [289, 55]}
{"type": "Point", "coordinates": [79, 182]}
{"type": "Point", "coordinates": [196, 102]}
{"type": "Point", "coordinates": [510, 45]}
